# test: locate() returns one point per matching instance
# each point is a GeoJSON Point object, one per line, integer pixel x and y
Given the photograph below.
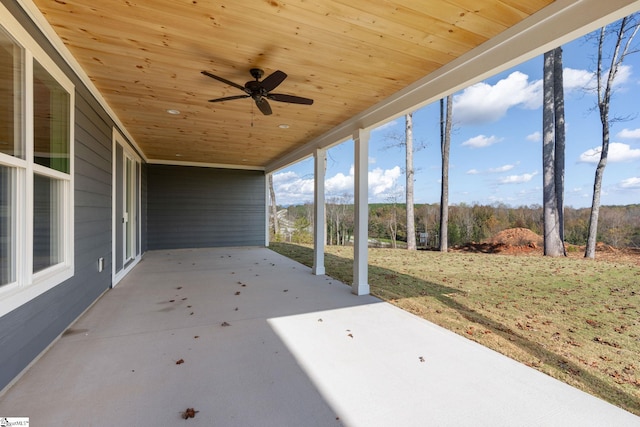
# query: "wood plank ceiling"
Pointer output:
{"type": "Point", "coordinates": [146, 57]}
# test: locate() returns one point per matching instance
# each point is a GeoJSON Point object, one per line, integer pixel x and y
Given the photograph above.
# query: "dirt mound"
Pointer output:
{"type": "Point", "coordinates": [517, 237]}
{"type": "Point", "coordinates": [511, 241]}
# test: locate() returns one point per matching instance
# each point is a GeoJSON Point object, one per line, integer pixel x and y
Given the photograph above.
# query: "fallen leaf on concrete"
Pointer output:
{"type": "Point", "coordinates": [189, 413]}
{"type": "Point", "coordinates": [172, 300]}
{"type": "Point", "coordinates": [238, 293]}
{"type": "Point", "coordinates": [225, 324]}
{"type": "Point", "coordinates": [179, 362]}
{"type": "Point", "coordinates": [421, 359]}
{"type": "Point", "coordinates": [179, 287]}
{"type": "Point", "coordinates": [350, 335]}
{"type": "Point", "coordinates": [197, 336]}
{"type": "Point", "coordinates": [286, 290]}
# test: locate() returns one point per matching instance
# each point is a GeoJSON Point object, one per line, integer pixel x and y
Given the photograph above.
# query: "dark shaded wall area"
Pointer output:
{"type": "Point", "coordinates": [192, 207]}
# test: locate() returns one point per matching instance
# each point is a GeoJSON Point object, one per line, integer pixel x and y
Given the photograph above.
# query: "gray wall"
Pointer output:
{"type": "Point", "coordinates": [28, 330]}
{"type": "Point", "coordinates": [180, 207]}
{"type": "Point", "coordinates": [191, 207]}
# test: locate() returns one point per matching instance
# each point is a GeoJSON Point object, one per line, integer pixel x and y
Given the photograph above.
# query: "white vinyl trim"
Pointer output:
{"type": "Point", "coordinates": [119, 140]}
{"type": "Point", "coordinates": [28, 285]}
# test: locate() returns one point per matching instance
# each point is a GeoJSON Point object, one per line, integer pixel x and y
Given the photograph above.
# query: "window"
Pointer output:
{"type": "Point", "coordinates": [11, 91]}
{"type": "Point", "coordinates": [11, 148]}
{"type": "Point", "coordinates": [50, 121]}
{"type": "Point", "coordinates": [36, 170]}
{"type": "Point", "coordinates": [7, 219]}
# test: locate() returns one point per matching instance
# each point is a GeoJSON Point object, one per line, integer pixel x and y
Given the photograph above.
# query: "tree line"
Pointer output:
{"type": "Point", "coordinates": [615, 225]}
{"type": "Point", "coordinates": [619, 226]}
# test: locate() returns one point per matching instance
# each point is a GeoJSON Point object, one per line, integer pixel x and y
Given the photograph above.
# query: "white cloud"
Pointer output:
{"type": "Point", "coordinates": [517, 179]}
{"type": "Point", "coordinates": [534, 137]}
{"type": "Point", "coordinates": [630, 183]}
{"type": "Point", "coordinates": [382, 180]}
{"type": "Point", "coordinates": [290, 188]}
{"type": "Point", "coordinates": [481, 141]}
{"type": "Point", "coordinates": [577, 80]}
{"type": "Point", "coordinates": [483, 103]}
{"type": "Point", "coordinates": [340, 183]}
{"type": "Point", "coordinates": [629, 133]}
{"type": "Point", "coordinates": [473, 172]}
{"type": "Point", "coordinates": [618, 152]}
{"type": "Point", "coordinates": [284, 177]}
{"type": "Point", "coordinates": [623, 76]}
{"type": "Point", "coordinates": [504, 168]}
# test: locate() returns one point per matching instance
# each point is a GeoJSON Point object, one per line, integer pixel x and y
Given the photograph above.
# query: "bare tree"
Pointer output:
{"type": "Point", "coordinates": [445, 143]}
{"type": "Point", "coordinates": [411, 224]}
{"type": "Point", "coordinates": [553, 171]}
{"type": "Point", "coordinates": [274, 207]}
{"type": "Point", "coordinates": [406, 141]}
{"type": "Point", "coordinates": [391, 216]}
{"type": "Point", "coordinates": [624, 32]}
{"type": "Point", "coordinates": [339, 219]}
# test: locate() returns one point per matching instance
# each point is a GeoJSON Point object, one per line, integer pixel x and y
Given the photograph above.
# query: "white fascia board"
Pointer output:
{"type": "Point", "coordinates": [203, 165]}
{"type": "Point", "coordinates": [559, 23]}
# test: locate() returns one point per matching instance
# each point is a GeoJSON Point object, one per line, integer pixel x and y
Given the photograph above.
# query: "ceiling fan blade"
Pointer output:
{"type": "Point", "coordinates": [263, 105]}
{"type": "Point", "coordinates": [223, 80]}
{"type": "Point", "coordinates": [280, 97]}
{"type": "Point", "coordinates": [229, 98]}
{"type": "Point", "coordinates": [273, 80]}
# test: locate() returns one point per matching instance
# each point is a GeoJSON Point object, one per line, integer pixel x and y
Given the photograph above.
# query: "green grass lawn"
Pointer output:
{"type": "Point", "coordinates": [577, 320]}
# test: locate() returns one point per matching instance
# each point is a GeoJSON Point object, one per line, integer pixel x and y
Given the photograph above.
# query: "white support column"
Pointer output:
{"type": "Point", "coordinates": [267, 201]}
{"type": "Point", "coordinates": [361, 206]}
{"type": "Point", "coordinates": [319, 238]}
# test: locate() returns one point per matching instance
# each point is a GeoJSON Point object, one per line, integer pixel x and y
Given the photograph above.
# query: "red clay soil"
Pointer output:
{"type": "Point", "coordinates": [509, 241]}
{"type": "Point", "coordinates": [522, 241]}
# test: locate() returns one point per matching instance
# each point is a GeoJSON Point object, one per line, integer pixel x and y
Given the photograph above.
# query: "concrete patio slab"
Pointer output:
{"type": "Point", "coordinates": [265, 343]}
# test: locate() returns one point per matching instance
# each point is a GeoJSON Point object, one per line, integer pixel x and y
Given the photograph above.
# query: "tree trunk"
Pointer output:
{"type": "Point", "coordinates": [445, 143]}
{"type": "Point", "coordinates": [274, 206]}
{"type": "Point", "coordinates": [553, 245]}
{"type": "Point", "coordinates": [559, 164]}
{"type": "Point", "coordinates": [623, 42]}
{"type": "Point", "coordinates": [411, 226]}
{"type": "Point", "coordinates": [393, 227]}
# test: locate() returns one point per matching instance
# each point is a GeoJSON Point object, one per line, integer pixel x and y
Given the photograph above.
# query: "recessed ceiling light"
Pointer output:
{"type": "Point", "coordinates": [172, 111]}
{"type": "Point", "coordinates": [283, 126]}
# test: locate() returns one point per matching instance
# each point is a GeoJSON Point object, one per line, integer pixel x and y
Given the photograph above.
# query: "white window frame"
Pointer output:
{"type": "Point", "coordinates": [28, 285]}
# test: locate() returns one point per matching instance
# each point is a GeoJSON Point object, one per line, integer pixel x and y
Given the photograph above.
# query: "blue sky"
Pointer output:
{"type": "Point", "coordinates": [496, 145]}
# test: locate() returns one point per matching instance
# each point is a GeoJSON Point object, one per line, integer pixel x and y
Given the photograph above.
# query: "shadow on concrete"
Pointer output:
{"type": "Point", "coordinates": [410, 287]}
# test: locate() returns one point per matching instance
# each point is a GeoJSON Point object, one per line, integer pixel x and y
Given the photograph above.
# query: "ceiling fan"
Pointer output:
{"type": "Point", "coordinates": [260, 90]}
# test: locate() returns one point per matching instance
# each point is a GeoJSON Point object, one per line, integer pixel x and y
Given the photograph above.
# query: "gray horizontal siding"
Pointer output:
{"type": "Point", "coordinates": [28, 330]}
{"type": "Point", "coordinates": [190, 207]}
